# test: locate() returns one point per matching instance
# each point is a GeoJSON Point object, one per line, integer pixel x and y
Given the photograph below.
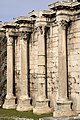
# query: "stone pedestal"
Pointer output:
{"type": "Point", "coordinates": [64, 109]}
{"type": "Point", "coordinates": [42, 107]}
{"type": "Point", "coordinates": [41, 102]}
{"type": "Point", "coordinates": [24, 100]}
{"type": "Point", "coordinates": [10, 99]}
{"type": "Point", "coordinates": [24, 104]}
{"type": "Point", "coordinates": [9, 102]}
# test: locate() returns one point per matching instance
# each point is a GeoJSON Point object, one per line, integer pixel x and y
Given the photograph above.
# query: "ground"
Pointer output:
{"type": "Point", "coordinates": [10, 114]}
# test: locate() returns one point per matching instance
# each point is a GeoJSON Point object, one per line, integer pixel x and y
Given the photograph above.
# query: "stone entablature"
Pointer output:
{"type": "Point", "coordinates": [43, 60]}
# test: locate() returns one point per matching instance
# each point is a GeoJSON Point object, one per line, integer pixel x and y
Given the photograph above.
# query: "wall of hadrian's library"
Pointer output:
{"type": "Point", "coordinates": [73, 51]}
{"type": "Point", "coordinates": [40, 60]}
{"type": "Point", "coordinates": [52, 64]}
{"type": "Point", "coordinates": [73, 61]}
{"type": "Point", "coordinates": [51, 47]}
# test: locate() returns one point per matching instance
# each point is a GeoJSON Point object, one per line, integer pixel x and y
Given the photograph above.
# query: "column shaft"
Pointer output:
{"type": "Point", "coordinates": [10, 99]}
{"type": "Point", "coordinates": [63, 104]}
{"type": "Point", "coordinates": [41, 66]}
{"type": "Point", "coordinates": [9, 70]}
{"type": "Point", "coordinates": [41, 102]}
{"type": "Point", "coordinates": [24, 69]}
{"type": "Point", "coordinates": [24, 100]}
{"type": "Point", "coordinates": [62, 64]}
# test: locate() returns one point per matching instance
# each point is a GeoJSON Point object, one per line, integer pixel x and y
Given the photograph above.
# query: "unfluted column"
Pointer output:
{"type": "Point", "coordinates": [63, 104]}
{"type": "Point", "coordinates": [62, 61]}
{"type": "Point", "coordinates": [24, 100]}
{"type": "Point", "coordinates": [10, 99]}
{"type": "Point", "coordinates": [41, 102]}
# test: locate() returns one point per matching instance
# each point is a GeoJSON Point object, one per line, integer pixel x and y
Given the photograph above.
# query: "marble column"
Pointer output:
{"type": "Point", "coordinates": [10, 98]}
{"type": "Point", "coordinates": [24, 100]}
{"type": "Point", "coordinates": [62, 61]}
{"type": "Point", "coordinates": [41, 101]}
{"type": "Point", "coordinates": [63, 104]}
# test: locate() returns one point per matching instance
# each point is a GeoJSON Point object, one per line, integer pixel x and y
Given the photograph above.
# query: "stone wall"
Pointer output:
{"type": "Point", "coordinates": [52, 65]}
{"type": "Point", "coordinates": [74, 63]}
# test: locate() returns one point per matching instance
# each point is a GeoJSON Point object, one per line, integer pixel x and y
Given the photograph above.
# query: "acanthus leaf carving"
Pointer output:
{"type": "Point", "coordinates": [9, 40]}
{"type": "Point", "coordinates": [63, 24]}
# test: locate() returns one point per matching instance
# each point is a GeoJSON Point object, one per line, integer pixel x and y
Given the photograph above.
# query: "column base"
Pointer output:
{"type": "Point", "coordinates": [78, 111]}
{"type": "Point", "coordinates": [24, 104]}
{"type": "Point", "coordinates": [9, 103]}
{"type": "Point", "coordinates": [42, 107]}
{"type": "Point", "coordinates": [64, 109]}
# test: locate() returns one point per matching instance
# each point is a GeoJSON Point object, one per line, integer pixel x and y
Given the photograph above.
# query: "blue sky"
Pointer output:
{"type": "Point", "coordinates": [10, 9]}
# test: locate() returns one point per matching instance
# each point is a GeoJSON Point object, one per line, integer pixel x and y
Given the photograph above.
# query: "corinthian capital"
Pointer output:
{"type": "Point", "coordinates": [10, 41]}
{"type": "Point", "coordinates": [63, 24]}
{"type": "Point", "coordinates": [41, 29]}
{"type": "Point", "coordinates": [24, 35]}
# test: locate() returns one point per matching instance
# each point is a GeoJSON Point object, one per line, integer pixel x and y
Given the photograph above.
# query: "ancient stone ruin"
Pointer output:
{"type": "Point", "coordinates": [40, 61]}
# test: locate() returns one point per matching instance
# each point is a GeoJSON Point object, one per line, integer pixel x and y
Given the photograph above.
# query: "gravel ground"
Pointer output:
{"type": "Point", "coordinates": [47, 118]}
{"type": "Point", "coordinates": [61, 118]}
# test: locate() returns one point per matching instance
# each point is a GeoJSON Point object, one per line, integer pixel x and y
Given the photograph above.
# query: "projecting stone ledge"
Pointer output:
{"type": "Point", "coordinates": [61, 118]}
{"type": "Point", "coordinates": [64, 5]}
